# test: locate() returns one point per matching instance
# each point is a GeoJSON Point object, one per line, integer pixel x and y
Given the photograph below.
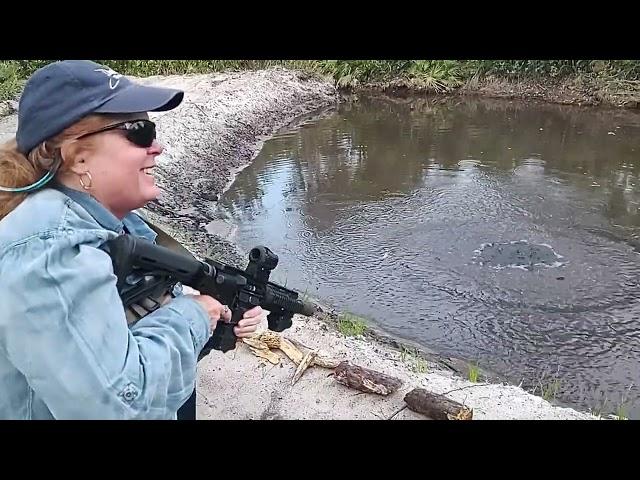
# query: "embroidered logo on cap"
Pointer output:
{"type": "Point", "coordinates": [113, 75]}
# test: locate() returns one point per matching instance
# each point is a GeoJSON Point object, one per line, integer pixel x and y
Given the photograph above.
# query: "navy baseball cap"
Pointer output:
{"type": "Point", "coordinates": [61, 93]}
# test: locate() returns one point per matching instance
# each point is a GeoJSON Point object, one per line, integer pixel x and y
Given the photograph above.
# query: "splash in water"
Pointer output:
{"type": "Point", "coordinates": [517, 254]}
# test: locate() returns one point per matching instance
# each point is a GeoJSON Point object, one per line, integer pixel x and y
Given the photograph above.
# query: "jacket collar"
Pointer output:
{"type": "Point", "coordinates": [132, 223]}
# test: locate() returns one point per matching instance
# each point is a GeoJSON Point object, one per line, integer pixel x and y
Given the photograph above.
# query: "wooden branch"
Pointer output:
{"type": "Point", "coordinates": [320, 360]}
{"type": "Point", "coordinates": [304, 364]}
{"type": "Point", "coordinates": [273, 340]}
{"type": "Point", "coordinates": [268, 355]}
{"type": "Point", "coordinates": [365, 379]}
{"type": "Point", "coordinates": [436, 406]}
{"type": "Point", "coordinates": [260, 349]}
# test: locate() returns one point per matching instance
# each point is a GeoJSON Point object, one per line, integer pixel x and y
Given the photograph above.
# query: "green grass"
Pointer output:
{"type": "Point", "coordinates": [444, 75]}
{"type": "Point", "coordinates": [433, 75]}
{"type": "Point", "coordinates": [474, 372]}
{"type": "Point", "coordinates": [550, 390]}
{"type": "Point", "coordinates": [621, 413]}
{"type": "Point", "coordinates": [11, 80]}
{"type": "Point", "coordinates": [548, 385]}
{"type": "Point", "coordinates": [351, 325]}
{"type": "Point", "coordinates": [626, 69]}
{"type": "Point", "coordinates": [621, 409]}
{"type": "Point", "coordinates": [419, 365]}
{"type": "Point", "coordinates": [14, 73]}
{"type": "Point", "coordinates": [615, 77]}
{"type": "Point", "coordinates": [413, 358]}
{"type": "Point", "coordinates": [145, 68]}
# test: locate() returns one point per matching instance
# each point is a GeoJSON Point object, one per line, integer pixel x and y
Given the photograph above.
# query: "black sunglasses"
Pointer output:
{"type": "Point", "coordinates": [139, 132]}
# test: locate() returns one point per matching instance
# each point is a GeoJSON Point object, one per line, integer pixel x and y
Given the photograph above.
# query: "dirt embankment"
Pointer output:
{"type": "Point", "coordinates": [588, 90]}
{"type": "Point", "coordinates": [580, 91]}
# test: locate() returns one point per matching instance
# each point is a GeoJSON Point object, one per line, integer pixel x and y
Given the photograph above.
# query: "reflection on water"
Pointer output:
{"type": "Point", "coordinates": [381, 206]}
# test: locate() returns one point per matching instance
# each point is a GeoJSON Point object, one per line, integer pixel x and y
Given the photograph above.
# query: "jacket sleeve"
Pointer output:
{"type": "Point", "coordinates": [66, 331]}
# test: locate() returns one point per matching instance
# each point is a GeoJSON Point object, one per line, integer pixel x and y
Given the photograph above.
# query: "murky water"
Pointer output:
{"type": "Point", "coordinates": [496, 231]}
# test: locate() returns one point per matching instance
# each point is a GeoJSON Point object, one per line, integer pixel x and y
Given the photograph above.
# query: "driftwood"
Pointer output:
{"type": "Point", "coordinates": [365, 379]}
{"type": "Point", "coordinates": [320, 359]}
{"type": "Point", "coordinates": [435, 406]}
{"type": "Point", "coordinates": [261, 345]}
{"type": "Point", "coordinates": [303, 365]}
{"type": "Point", "coordinates": [261, 349]}
{"type": "Point", "coordinates": [295, 354]}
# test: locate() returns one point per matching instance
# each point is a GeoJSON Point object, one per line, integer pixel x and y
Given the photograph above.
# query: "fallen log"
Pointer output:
{"type": "Point", "coordinates": [366, 380]}
{"type": "Point", "coordinates": [435, 406]}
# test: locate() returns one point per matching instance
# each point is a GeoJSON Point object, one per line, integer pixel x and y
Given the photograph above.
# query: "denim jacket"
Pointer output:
{"type": "Point", "coordinates": [66, 351]}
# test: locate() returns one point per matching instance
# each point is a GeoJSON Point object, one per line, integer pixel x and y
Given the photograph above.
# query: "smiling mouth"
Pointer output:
{"type": "Point", "coordinates": [148, 170]}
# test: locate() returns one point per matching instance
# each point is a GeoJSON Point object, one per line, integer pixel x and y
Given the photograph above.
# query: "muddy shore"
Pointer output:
{"type": "Point", "coordinates": [217, 131]}
{"type": "Point", "coordinates": [581, 91]}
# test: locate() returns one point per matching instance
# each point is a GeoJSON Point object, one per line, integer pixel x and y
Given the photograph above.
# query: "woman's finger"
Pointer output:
{"type": "Point", "coordinates": [225, 313]}
{"type": "Point", "coordinates": [253, 312]}
{"type": "Point", "coordinates": [245, 322]}
{"type": "Point", "coordinates": [244, 332]}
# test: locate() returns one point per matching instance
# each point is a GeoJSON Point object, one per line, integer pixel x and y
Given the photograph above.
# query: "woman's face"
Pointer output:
{"type": "Point", "coordinates": [121, 171]}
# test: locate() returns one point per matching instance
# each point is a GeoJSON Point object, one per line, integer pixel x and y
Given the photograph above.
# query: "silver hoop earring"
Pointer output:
{"type": "Point", "coordinates": [86, 187]}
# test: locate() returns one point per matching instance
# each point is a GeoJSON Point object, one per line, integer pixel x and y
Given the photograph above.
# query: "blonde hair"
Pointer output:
{"type": "Point", "coordinates": [18, 170]}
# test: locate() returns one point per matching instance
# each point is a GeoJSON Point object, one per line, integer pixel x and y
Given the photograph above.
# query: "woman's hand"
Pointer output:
{"type": "Point", "coordinates": [249, 322]}
{"type": "Point", "coordinates": [247, 325]}
{"type": "Point", "coordinates": [214, 308]}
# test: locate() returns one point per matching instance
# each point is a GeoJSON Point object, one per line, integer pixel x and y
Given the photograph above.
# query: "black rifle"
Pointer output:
{"type": "Point", "coordinates": [144, 269]}
{"type": "Point", "coordinates": [156, 268]}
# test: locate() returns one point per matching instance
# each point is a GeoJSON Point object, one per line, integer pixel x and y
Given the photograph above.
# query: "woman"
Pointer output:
{"type": "Point", "coordinates": [80, 165]}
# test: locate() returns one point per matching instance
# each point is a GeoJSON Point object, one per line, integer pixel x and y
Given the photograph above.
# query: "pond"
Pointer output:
{"type": "Point", "coordinates": [500, 232]}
